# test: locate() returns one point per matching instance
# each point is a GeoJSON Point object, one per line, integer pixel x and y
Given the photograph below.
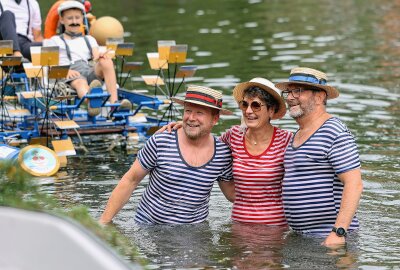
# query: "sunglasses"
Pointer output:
{"type": "Point", "coordinates": [255, 105]}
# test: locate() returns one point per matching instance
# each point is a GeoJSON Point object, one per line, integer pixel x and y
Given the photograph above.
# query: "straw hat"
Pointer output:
{"type": "Point", "coordinates": [266, 85]}
{"type": "Point", "coordinates": [204, 96]}
{"type": "Point", "coordinates": [310, 77]}
{"type": "Point", "coordinates": [70, 5]}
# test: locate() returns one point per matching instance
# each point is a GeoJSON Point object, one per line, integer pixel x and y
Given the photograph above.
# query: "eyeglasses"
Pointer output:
{"type": "Point", "coordinates": [295, 93]}
{"type": "Point", "coordinates": [255, 105]}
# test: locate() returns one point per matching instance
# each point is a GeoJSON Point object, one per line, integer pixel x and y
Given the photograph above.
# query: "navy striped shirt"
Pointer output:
{"type": "Point", "coordinates": [177, 192]}
{"type": "Point", "coordinates": [311, 190]}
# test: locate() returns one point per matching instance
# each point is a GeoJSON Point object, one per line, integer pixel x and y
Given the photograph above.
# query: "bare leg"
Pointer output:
{"type": "Point", "coordinates": [104, 68]}
{"type": "Point", "coordinates": [81, 86]}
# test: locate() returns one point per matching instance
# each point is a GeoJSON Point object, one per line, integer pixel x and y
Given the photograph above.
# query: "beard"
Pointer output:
{"type": "Point", "coordinates": [194, 133]}
{"type": "Point", "coordinates": [302, 109]}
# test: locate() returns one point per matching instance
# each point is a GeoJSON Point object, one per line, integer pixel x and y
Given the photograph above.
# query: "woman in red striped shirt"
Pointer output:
{"type": "Point", "coordinates": [257, 150]}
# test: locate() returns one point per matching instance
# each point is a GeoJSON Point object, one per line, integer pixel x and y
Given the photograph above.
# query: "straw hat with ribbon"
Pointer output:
{"type": "Point", "coordinates": [309, 77]}
{"type": "Point", "coordinates": [204, 96]}
{"type": "Point", "coordinates": [266, 85]}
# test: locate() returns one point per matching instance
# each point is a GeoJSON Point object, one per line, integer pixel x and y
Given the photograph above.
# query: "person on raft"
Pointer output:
{"type": "Point", "coordinates": [87, 65]}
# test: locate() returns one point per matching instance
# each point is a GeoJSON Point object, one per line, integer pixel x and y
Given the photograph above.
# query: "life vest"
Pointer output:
{"type": "Point", "coordinates": [51, 22]}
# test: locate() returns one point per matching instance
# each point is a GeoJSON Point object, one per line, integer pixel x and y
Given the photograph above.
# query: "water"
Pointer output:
{"type": "Point", "coordinates": [355, 42]}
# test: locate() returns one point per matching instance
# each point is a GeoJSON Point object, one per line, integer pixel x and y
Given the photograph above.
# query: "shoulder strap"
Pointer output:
{"type": "Point", "coordinates": [69, 51]}
{"type": "Point", "coordinates": [29, 18]}
{"type": "Point", "coordinates": [89, 47]}
{"type": "Point", "coordinates": [66, 48]}
{"type": "Point", "coordinates": [1, 7]}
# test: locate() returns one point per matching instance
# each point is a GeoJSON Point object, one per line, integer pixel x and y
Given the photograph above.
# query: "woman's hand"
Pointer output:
{"type": "Point", "coordinates": [171, 126]}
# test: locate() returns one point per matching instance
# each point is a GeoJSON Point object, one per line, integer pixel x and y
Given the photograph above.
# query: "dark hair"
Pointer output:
{"type": "Point", "coordinates": [267, 98]}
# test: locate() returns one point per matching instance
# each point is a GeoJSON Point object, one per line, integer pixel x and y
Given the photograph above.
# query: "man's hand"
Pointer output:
{"type": "Point", "coordinates": [334, 241]}
{"type": "Point", "coordinates": [73, 74]}
{"type": "Point", "coordinates": [103, 221]}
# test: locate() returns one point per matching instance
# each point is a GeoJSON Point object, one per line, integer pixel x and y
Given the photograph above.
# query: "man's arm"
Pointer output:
{"type": "Point", "coordinates": [228, 188]}
{"type": "Point", "coordinates": [123, 191]}
{"type": "Point", "coordinates": [37, 35]}
{"type": "Point", "coordinates": [352, 190]}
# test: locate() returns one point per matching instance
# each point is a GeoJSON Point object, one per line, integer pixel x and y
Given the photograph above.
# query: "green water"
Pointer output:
{"type": "Point", "coordinates": [356, 42]}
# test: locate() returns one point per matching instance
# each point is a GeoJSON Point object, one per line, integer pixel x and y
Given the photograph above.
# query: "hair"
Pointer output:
{"type": "Point", "coordinates": [267, 98]}
{"type": "Point", "coordinates": [315, 90]}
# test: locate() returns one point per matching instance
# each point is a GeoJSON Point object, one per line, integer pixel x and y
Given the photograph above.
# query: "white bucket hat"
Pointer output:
{"type": "Point", "coordinates": [70, 5]}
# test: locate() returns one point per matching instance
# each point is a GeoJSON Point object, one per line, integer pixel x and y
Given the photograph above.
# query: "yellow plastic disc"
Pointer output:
{"type": "Point", "coordinates": [38, 160]}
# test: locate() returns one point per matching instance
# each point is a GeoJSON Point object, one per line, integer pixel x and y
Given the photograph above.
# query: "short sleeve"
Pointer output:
{"type": "Point", "coordinates": [36, 18]}
{"type": "Point", "coordinates": [227, 173]}
{"type": "Point", "coordinates": [147, 156]}
{"type": "Point", "coordinates": [226, 136]}
{"type": "Point", "coordinates": [93, 42]}
{"type": "Point", "coordinates": [343, 154]}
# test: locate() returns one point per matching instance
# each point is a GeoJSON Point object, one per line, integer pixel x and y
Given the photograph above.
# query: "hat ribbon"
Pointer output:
{"type": "Point", "coordinates": [204, 98]}
{"type": "Point", "coordinates": [306, 78]}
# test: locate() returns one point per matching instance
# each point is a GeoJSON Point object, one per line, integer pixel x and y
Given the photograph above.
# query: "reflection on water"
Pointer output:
{"type": "Point", "coordinates": [356, 42]}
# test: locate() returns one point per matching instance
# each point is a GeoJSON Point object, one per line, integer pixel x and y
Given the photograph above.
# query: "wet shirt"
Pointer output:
{"type": "Point", "coordinates": [178, 193]}
{"type": "Point", "coordinates": [312, 191]}
{"type": "Point", "coordinates": [258, 179]}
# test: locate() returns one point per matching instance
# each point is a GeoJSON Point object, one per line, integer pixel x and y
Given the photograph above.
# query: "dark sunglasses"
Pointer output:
{"type": "Point", "coordinates": [255, 105]}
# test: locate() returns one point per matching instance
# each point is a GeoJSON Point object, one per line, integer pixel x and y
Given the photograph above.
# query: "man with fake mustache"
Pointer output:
{"type": "Point", "coordinates": [20, 21]}
{"type": "Point", "coordinates": [87, 64]}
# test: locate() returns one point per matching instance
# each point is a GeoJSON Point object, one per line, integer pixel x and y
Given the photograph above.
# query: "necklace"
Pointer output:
{"type": "Point", "coordinates": [253, 141]}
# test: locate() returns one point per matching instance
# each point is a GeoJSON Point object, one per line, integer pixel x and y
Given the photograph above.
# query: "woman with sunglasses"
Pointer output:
{"type": "Point", "coordinates": [258, 149]}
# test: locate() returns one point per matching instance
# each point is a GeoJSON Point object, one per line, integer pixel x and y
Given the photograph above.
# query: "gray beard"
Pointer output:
{"type": "Point", "coordinates": [302, 111]}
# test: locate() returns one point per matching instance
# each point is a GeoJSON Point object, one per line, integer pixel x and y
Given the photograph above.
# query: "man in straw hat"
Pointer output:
{"type": "Point", "coordinates": [322, 185]}
{"type": "Point", "coordinates": [183, 166]}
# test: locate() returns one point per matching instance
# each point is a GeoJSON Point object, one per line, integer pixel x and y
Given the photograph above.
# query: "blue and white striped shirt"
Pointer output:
{"type": "Point", "coordinates": [178, 193]}
{"type": "Point", "coordinates": [311, 190]}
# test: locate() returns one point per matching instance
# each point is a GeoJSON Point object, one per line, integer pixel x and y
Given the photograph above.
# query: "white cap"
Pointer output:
{"type": "Point", "coordinates": [65, 5]}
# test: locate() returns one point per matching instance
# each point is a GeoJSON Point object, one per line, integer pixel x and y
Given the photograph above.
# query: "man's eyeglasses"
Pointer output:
{"type": "Point", "coordinates": [295, 93]}
{"type": "Point", "coordinates": [255, 105]}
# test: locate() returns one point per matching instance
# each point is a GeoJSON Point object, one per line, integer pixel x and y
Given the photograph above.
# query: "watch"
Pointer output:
{"type": "Point", "coordinates": [341, 232]}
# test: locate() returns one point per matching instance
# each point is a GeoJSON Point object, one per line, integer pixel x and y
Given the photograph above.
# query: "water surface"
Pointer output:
{"type": "Point", "coordinates": [356, 42]}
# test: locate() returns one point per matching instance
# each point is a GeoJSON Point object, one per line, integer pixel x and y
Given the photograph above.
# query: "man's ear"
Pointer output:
{"type": "Point", "coordinates": [321, 95]}
{"type": "Point", "coordinates": [216, 118]}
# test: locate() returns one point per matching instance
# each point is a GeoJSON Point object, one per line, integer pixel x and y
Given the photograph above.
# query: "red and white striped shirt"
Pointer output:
{"type": "Point", "coordinates": [258, 179]}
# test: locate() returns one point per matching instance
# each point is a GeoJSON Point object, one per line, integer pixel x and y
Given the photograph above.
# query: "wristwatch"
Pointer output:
{"type": "Point", "coordinates": [341, 232]}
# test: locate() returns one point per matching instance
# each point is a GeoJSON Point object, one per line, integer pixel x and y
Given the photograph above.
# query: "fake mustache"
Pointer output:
{"type": "Point", "coordinates": [74, 24]}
